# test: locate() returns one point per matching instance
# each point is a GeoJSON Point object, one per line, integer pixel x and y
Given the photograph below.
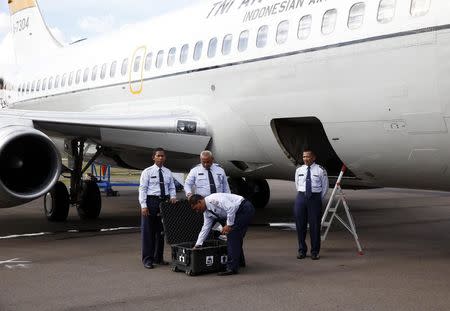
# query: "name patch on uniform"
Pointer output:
{"type": "Point", "coordinates": [200, 174]}
{"type": "Point", "coordinates": [154, 177]}
{"type": "Point", "coordinates": [301, 175]}
{"type": "Point", "coordinates": [316, 175]}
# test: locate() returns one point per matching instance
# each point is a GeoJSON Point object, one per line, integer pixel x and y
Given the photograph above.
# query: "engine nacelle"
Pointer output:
{"type": "Point", "coordinates": [30, 165]}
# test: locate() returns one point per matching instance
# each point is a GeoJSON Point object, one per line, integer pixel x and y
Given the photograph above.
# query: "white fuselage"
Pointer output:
{"type": "Point", "coordinates": [381, 91]}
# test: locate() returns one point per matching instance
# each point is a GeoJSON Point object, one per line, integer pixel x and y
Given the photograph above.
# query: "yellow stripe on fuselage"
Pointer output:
{"type": "Point", "coordinates": [19, 5]}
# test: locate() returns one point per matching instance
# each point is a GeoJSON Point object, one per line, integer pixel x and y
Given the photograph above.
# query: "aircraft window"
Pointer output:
{"type": "Point", "coordinates": [78, 77]}
{"type": "Point", "coordinates": [137, 64]}
{"type": "Point", "coordinates": [38, 86]}
{"type": "Point", "coordinates": [69, 83]}
{"type": "Point", "coordinates": [63, 80]}
{"type": "Point", "coordinates": [148, 61]}
{"type": "Point", "coordinates": [304, 27]}
{"type": "Point", "coordinates": [212, 47]}
{"type": "Point", "coordinates": [198, 50]}
{"type": "Point", "coordinates": [329, 21]}
{"type": "Point", "coordinates": [86, 75]}
{"type": "Point", "coordinates": [94, 73]}
{"type": "Point", "coordinates": [171, 56]}
{"type": "Point", "coordinates": [28, 87]}
{"type": "Point", "coordinates": [386, 11]}
{"type": "Point", "coordinates": [103, 72]}
{"type": "Point", "coordinates": [159, 59]}
{"type": "Point", "coordinates": [57, 79]}
{"type": "Point", "coordinates": [356, 15]}
{"type": "Point", "coordinates": [243, 41]}
{"type": "Point", "coordinates": [226, 44]}
{"type": "Point", "coordinates": [184, 53]}
{"type": "Point", "coordinates": [112, 71]}
{"type": "Point", "coordinates": [50, 83]}
{"type": "Point", "coordinates": [44, 84]}
{"type": "Point", "coordinates": [33, 85]}
{"type": "Point", "coordinates": [282, 32]}
{"type": "Point", "coordinates": [419, 7]}
{"type": "Point", "coordinates": [124, 68]}
{"type": "Point", "coordinates": [261, 38]}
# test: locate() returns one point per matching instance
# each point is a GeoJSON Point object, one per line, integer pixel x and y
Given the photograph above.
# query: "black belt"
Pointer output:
{"type": "Point", "coordinates": [312, 193]}
{"type": "Point", "coordinates": [162, 198]}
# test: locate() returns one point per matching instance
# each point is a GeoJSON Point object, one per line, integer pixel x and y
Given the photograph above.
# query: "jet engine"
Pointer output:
{"type": "Point", "coordinates": [30, 164]}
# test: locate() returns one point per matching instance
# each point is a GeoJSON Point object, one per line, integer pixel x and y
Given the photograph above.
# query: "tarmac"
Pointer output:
{"type": "Point", "coordinates": [95, 265]}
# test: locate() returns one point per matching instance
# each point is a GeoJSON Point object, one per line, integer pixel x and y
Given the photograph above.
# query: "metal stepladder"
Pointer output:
{"type": "Point", "coordinates": [330, 212]}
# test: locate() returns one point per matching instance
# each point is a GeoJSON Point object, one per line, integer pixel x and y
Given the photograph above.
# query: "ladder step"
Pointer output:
{"type": "Point", "coordinates": [332, 210]}
{"type": "Point", "coordinates": [326, 224]}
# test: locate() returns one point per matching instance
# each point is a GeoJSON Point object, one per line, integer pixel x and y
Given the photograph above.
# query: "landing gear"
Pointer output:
{"type": "Point", "coordinates": [255, 190]}
{"type": "Point", "coordinates": [90, 203]}
{"type": "Point", "coordinates": [56, 203]}
{"type": "Point", "coordinates": [85, 195]}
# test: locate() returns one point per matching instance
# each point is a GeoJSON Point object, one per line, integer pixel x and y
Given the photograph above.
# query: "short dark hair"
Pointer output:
{"type": "Point", "coordinates": [194, 199]}
{"type": "Point", "coordinates": [158, 149]}
{"type": "Point", "coordinates": [309, 150]}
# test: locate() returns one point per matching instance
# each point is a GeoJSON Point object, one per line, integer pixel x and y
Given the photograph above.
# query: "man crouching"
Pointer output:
{"type": "Point", "coordinates": [236, 211]}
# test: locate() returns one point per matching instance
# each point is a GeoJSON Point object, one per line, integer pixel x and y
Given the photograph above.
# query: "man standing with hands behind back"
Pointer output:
{"type": "Point", "coordinates": [156, 186]}
{"type": "Point", "coordinates": [311, 181]}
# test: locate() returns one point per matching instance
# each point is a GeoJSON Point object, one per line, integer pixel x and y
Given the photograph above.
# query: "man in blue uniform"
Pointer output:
{"type": "Point", "coordinates": [238, 213]}
{"type": "Point", "coordinates": [156, 185]}
{"type": "Point", "coordinates": [206, 178]}
{"type": "Point", "coordinates": [311, 181]}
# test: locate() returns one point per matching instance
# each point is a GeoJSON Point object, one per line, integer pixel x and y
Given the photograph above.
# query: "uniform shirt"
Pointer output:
{"type": "Point", "coordinates": [319, 179]}
{"type": "Point", "coordinates": [225, 205]}
{"type": "Point", "coordinates": [149, 184]}
{"type": "Point", "coordinates": [198, 178]}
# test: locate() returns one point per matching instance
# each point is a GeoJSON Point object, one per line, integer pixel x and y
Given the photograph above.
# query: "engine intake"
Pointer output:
{"type": "Point", "coordinates": [30, 165]}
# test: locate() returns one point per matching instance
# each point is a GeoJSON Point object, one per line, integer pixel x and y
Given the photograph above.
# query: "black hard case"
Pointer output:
{"type": "Point", "coordinates": [181, 227]}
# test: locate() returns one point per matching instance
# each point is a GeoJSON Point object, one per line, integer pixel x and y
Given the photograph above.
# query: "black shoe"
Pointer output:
{"type": "Point", "coordinates": [242, 263]}
{"type": "Point", "coordinates": [301, 256]}
{"type": "Point", "coordinates": [148, 265]}
{"type": "Point", "coordinates": [162, 263]}
{"type": "Point", "coordinates": [315, 256]}
{"type": "Point", "coordinates": [227, 272]}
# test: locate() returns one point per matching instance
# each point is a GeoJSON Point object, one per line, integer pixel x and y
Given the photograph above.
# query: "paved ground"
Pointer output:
{"type": "Point", "coordinates": [406, 236]}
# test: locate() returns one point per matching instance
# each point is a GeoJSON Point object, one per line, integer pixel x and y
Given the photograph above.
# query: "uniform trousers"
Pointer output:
{"type": "Point", "coordinates": [152, 232]}
{"type": "Point", "coordinates": [235, 238]}
{"type": "Point", "coordinates": [308, 210]}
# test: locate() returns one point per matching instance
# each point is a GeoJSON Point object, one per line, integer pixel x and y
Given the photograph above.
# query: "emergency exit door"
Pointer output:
{"type": "Point", "coordinates": [136, 70]}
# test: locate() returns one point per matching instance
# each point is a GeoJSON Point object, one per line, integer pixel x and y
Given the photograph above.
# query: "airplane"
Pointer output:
{"type": "Point", "coordinates": [365, 83]}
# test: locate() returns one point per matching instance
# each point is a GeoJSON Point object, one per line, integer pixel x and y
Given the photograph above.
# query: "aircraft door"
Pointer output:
{"type": "Point", "coordinates": [136, 70]}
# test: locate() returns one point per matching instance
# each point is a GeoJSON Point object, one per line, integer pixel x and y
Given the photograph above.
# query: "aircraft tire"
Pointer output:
{"type": "Point", "coordinates": [90, 204]}
{"type": "Point", "coordinates": [259, 192]}
{"type": "Point", "coordinates": [255, 190]}
{"type": "Point", "coordinates": [238, 186]}
{"type": "Point", "coordinates": [56, 203]}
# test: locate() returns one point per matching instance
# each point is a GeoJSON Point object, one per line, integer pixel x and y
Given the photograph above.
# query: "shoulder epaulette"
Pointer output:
{"type": "Point", "coordinates": [323, 169]}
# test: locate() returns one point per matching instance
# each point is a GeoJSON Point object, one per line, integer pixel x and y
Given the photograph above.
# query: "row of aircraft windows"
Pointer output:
{"type": "Point", "coordinates": [385, 14]}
